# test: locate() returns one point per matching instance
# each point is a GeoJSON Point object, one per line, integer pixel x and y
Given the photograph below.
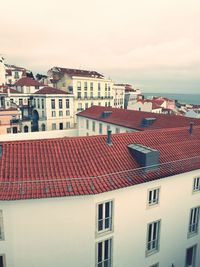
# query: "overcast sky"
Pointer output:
{"type": "Point", "coordinates": [154, 44]}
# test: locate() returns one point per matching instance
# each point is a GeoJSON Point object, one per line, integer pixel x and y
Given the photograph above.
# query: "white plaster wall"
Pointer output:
{"type": "Point", "coordinates": [82, 131]}
{"type": "Point", "coordinates": [39, 135]}
{"type": "Point", "coordinates": [61, 232]}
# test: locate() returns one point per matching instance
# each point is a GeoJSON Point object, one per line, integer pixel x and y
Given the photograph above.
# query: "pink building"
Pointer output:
{"type": "Point", "coordinates": [9, 120]}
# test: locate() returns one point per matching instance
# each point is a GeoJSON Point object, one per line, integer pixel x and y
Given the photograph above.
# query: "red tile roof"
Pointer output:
{"type": "Point", "coordinates": [50, 91]}
{"type": "Point", "coordinates": [87, 165]}
{"type": "Point", "coordinates": [26, 81]}
{"type": "Point", "coordinates": [77, 72]}
{"type": "Point", "coordinates": [133, 119]}
{"type": "Point", "coordinates": [4, 89]}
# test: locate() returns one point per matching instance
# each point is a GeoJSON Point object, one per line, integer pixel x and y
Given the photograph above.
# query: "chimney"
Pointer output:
{"type": "Point", "coordinates": [191, 127]}
{"type": "Point", "coordinates": [109, 139]}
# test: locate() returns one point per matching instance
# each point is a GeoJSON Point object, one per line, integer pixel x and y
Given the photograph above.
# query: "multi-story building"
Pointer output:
{"type": "Point", "coordinates": [52, 110]}
{"type": "Point", "coordinates": [98, 120]}
{"type": "Point", "coordinates": [124, 200]}
{"type": "Point", "coordinates": [145, 105]}
{"type": "Point", "coordinates": [131, 95]}
{"type": "Point", "coordinates": [28, 85]}
{"type": "Point", "coordinates": [10, 120]}
{"type": "Point", "coordinates": [118, 95]}
{"type": "Point", "coordinates": [88, 87]}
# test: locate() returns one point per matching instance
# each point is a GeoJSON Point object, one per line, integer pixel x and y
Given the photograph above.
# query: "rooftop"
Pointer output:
{"type": "Point", "coordinates": [47, 90]}
{"type": "Point", "coordinates": [133, 119]}
{"type": "Point", "coordinates": [77, 72]}
{"type": "Point", "coordinates": [87, 165]}
{"type": "Point", "coordinates": [26, 81]}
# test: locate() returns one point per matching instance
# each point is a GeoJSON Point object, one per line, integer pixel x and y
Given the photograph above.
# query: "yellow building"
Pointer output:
{"type": "Point", "coordinates": [88, 87]}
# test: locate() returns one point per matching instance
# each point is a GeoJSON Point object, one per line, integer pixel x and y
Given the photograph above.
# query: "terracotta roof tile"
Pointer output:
{"type": "Point", "coordinates": [87, 165]}
{"type": "Point", "coordinates": [133, 119]}
{"type": "Point", "coordinates": [78, 72]}
{"type": "Point", "coordinates": [26, 81]}
{"type": "Point", "coordinates": [50, 91]}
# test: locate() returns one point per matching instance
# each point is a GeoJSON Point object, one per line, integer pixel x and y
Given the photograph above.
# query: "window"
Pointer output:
{"type": "Point", "coordinates": [38, 103]}
{"type": "Point", "coordinates": [8, 130]}
{"type": "Point", "coordinates": [67, 103]}
{"type": "Point", "coordinates": [104, 253]}
{"type": "Point", "coordinates": [153, 196]}
{"type": "Point", "coordinates": [67, 113]}
{"type": "Point", "coordinates": [79, 94]}
{"type": "Point", "coordinates": [2, 260]}
{"type": "Point", "coordinates": [191, 256]}
{"type": "Point", "coordinates": [20, 101]}
{"type": "Point", "coordinates": [1, 226]}
{"type": "Point", "coordinates": [91, 86]}
{"type": "Point", "coordinates": [53, 106]}
{"type": "Point", "coordinates": [53, 126]}
{"type": "Point", "coordinates": [106, 86]}
{"type": "Point", "coordinates": [42, 103]}
{"type": "Point", "coordinates": [86, 105]}
{"type": "Point", "coordinates": [93, 126]}
{"type": "Point", "coordinates": [79, 86]}
{"type": "Point", "coordinates": [87, 124]}
{"type": "Point", "coordinates": [196, 185]}
{"type": "Point", "coordinates": [42, 114]}
{"type": "Point", "coordinates": [68, 125]}
{"type": "Point", "coordinates": [100, 128]}
{"type": "Point", "coordinates": [85, 94]}
{"type": "Point", "coordinates": [60, 113]}
{"type": "Point", "coordinates": [193, 222]}
{"type": "Point", "coordinates": [117, 130]}
{"type": "Point", "coordinates": [99, 86]}
{"type": "Point", "coordinates": [53, 114]}
{"type": "Point", "coordinates": [153, 232]}
{"type": "Point", "coordinates": [91, 94]}
{"type": "Point", "coordinates": [104, 211]}
{"type": "Point", "coordinates": [85, 86]}
{"type": "Point", "coordinates": [60, 103]}
{"type": "Point", "coordinates": [99, 94]}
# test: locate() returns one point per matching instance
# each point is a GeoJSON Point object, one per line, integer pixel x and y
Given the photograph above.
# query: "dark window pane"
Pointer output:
{"type": "Point", "coordinates": [99, 252]}
{"type": "Point", "coordinates": [107, 209]}
{"type": "Point", "coordinates": [100, 212]}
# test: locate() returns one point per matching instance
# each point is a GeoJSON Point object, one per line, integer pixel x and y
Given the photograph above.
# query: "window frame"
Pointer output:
{"type": "Point", "coordinates": [152, 203]}
{"type": "Point", "coordinates": [97, 264]}
{"type": "Point", "coordinates": [194, 224]}
{"type": "Point", "coordinates": [2, 232]}
{"type": "Point", "coordinates": [196, 184]}
{"type": "Point", "coordinates": [157, 240]}
{"type": "Point", "coordinates": [104, 230]}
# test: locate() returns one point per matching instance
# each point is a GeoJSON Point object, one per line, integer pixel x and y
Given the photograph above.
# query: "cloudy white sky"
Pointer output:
{"type": "Point", "coordinates": [154, 44]}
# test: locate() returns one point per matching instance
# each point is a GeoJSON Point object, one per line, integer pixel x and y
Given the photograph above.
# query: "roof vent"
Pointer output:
{"type": "Point", "coordinates": [106, 114]}
{"type": "Point", "coordinates": [146, 122]}
{"type": "Point", "coordinates": [145, 156]}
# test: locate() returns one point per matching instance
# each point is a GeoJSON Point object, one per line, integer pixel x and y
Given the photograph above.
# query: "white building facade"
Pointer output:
{"type": "Point", "coordinates": [74, 236]}
{"type": "Point", "coordinates": [52, 110]}
{"type": "Point", "coordinates": [118, 95]}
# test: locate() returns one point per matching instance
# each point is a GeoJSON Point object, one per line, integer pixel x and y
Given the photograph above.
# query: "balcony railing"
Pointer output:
{"type": "Point", "coordinates": [93, 185]}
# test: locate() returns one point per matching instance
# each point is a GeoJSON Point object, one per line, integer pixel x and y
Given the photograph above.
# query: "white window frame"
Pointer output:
{"type": "Point", "coordinates": [104, 261]}
{"type": "Point", "coordinates": [196, 184]}
{"type": "Point", "coordinates": [152, 245]}
{"type": "Point", "coordinates": [104, 220]}
{"type": "Point", "coordinates": [153, 196]}
{"type": "Point", "coordinates": [193, 227]}
{"type": "Point", "coordinates": [2, 237]}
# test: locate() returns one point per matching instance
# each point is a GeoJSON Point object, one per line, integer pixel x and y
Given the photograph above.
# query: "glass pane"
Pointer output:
{"type": "Point", "coordinates": [100, 225]}
{"type": "Point", "coordinates": [107, 212]}
{"type": "Point", "coordinates": [100, 212]}
{"type": "Point", "coordinates": [99, 252]}
{"type": "Point", "coordinates": [106, 248]}
{"type": "Point", "coordinates": [107, 223]}
{"type": "Point", "coordinates": [149, 232]}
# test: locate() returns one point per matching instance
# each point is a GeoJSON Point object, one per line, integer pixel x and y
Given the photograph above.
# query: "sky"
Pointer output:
{"type": "Point", "coordinates": [153, 44]}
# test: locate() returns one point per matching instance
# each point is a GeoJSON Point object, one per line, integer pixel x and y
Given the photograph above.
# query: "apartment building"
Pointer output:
{"type": "Point", "coordinates": [52, 110]}
{"type": "Point", "coordinates": [98, 120]}
{"type": "Point", "coordinates": [145, 105]}
{"type": "Point", "coordinates": [10, 120]}
{"type": "Point", "coordinates": [118, 95]}
{"type": "Point", "coordinates": [27, 85]}
{"type": "Point", "coordinates": [119, 200]}
{"type": "Point", "coordinates": [88, 87]}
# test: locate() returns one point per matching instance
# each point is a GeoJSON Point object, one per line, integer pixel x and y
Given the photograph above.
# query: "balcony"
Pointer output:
{"type": "Point", "coordinates": [14, 121]}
